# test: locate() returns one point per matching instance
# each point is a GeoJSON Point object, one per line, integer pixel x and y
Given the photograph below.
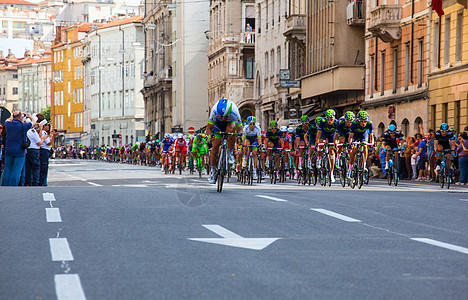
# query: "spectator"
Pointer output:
{"type": "Point", "coordinates": [408, 147]}
{"type": "Point", "coordinates": [375, 168]}
{"type": "Point", "coordinates": [15, 132]}
{"type": "Point", "coordinates": [45, 151]}
{"type": "Point", "coordinates": [33, 164]}
{"type": "Point", "coordinates": [421, 154]}
{"type": "Point", "coordinates": [463, 157]}
{"type": "Point", "coordinates": [382, 155]}
{"type": "Point", "coordinates": [430, 155]}
{"type": "Point", "coordinates": [414, 158]}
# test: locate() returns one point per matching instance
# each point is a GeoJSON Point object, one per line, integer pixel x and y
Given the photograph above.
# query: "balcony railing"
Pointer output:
{"type": "Point", "coordinates": [355, 12]}
{"type": "Point", "coordinates": [385, 22]}
{"type": "Point", "coordinates": [296, 27]}
{"type": "Point", "coordinates": [164, 75]}
{"type": "Point", "coordinates": [248, 37]}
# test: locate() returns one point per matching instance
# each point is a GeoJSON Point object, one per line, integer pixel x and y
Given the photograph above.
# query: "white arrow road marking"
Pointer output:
{"type": "Point", "coordinates": [95, 184]}
{"type": "Point", "coordinates": [272, 198]}
{"type": "Point", "coordinates": [68, 287]}
{"type": "Point", "coordinates": [335, 215]}
{"type": "Point", "coordinates": [53, 215]}
{"type": "Point", "coordinates": [463, 199]}
{"type": "Point", "coordinates": [60, 250]}
{"type": "Point", "coordinates": [231, 239]}
{"type": "Point", "coordinates": [48, 196]}
{"type": "Point", "coordinates": [442, 245]}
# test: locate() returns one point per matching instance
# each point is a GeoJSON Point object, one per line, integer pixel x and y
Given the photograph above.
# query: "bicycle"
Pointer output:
{"type": "Point", "coordinates": [392, 170]}
{"type": "Point", "coordinates": [343, 161]}
{"type": "Point", "coordinates": [357, 173]}
{"type": "Point", "coordinates": [312, 174]}
{"type": "Point", "coordinates": [302, 167]}
{"type": "Point", "coordinates": [325, 166]}
{"type": "Point", "coordinates": [273, 168]}
{"type": "Point", "coordinates": [247, 171]}
{"type": "Point", "coordinates": [191, 163]}
{"type": "Point", "coordinates": [445, 174]}
{"type": "Point", "coordinates": [223, 168]}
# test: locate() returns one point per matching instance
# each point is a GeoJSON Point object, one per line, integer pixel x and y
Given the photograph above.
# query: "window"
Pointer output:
{"type": "Point", "coordinates": [445, 112]}
{"type": "Point", "coordinates": [459, 39]}
{"type": "Point", "coordinates": [278, 53]}
{"type": "Point", "coordinates": [371, 71]}
{"type": "Point", "coordinates": [272, 60]}
{"type": "Point", "coordinates": [267, 14]}
{"type": "Point", "coordinates": [272, 12]}
{"type": "Point", "coordinates": [420, 62]}
{"type": "Point", "coordinates": [382, 73]}
{"type": "Point", "coordinates": [436, 45]}
{"type": "Point", "coordinates": [249, 68]}
{"type": "Point", "coordinates": [15, 76]}
{"type": "Point", "coordinates": [433, 116]}
{"type": "Point", "coordinates": [447, 40]}
{"type": "Point", "coordinates": [395, 69]}
{"type": "Point", "coordinates": [407, 63]}
{"type": "Point", "coordinates": [266, 64]}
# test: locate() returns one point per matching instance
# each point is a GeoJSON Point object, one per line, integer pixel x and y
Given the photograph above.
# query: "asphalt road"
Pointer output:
{"type": "Point", "coordinates": [110, 231]}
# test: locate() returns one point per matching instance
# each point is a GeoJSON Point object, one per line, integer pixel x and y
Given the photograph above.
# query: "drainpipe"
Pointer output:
{"type": "Point", "coordinates": [412, 41]}
{"type": "Point", "coordinates": [99, 68]}
{"type": "Point", "coordinates": [123, 70]}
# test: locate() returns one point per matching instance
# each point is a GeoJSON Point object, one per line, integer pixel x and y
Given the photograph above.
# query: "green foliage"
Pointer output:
{"type": "Point", "coordinates": [46, 112]}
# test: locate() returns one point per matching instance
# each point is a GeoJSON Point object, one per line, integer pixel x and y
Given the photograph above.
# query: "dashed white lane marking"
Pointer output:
{"type": "Point", "coordinates": [130, 185]}
{"type": "Point", "coordinates": [335, 215]}
{"type": "Point", "coordinates": [95, 184]}
{"type": "Point", "coordinates": [68, 287]}
{"type": "Point", "coordinates": [442, 245]}
{"type": "Point", "coordinates": [53, 215]}
{"type": "Point", "coordinates": [463, 199]}
{"type": "Point", "coordinates": [48, 196]}
{"type": "Point", "coordinates": [60, 250]}
{"type": "Point", "coordinates": [272, 198]}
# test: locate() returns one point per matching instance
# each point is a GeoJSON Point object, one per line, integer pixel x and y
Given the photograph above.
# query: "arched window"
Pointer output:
{"type": "Point", "coordinates": [405, 127]}
{"type": "Point", "coordinates": [381, 129]}
{"type": "Point", "coordinates": [417, 122]}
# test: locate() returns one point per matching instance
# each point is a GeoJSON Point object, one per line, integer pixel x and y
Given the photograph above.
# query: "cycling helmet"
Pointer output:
{"type": "Point", "coordinates": [318, 119]}
{"type": "Point", "coordinates": [330, 114]}
{"type": "Point", "coordinates": [251, 119]}
{"type": "Point", "coordinates": [273, 124]}
{"type": "Point", "coordinates": [392, 127]}
{"type": "Point", "coordinates": [349, 116]}
{"type": "Point", "coordinates": [283, 128]}
{"type": "Point", "coordinates": [291, 130]}
{"type": "Point", "coordinates": [444, 126]}
{"type": "Point", "coordinates": [199, 136]}
{"type": "Point", "coordinates": [363, 115]}
{"type": "Point", "coordinates": [305, 119]}
{"type": "Point", "coordinates": [224, 107]}
{"type": "Point", "coordinates": [184, 136]}
{"type": "Point", "coordinates": [167, 135]}
{"type": "Point", "coordinates": [180, 136]}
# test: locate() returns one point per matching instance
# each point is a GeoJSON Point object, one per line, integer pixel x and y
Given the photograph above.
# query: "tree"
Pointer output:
{"type": "Point", "coordinates": [46, 112]}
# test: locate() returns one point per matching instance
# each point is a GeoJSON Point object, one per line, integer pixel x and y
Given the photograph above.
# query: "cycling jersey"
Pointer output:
{"type": "Point", "coordinates": [392, 142]}
{"type": "Point", "coordinates": [287, 139]}
{"type": "Point", "coordinates": [274, 137]}
{"type": "Point", "coordinates": [361, 133]}
{"type": "Point", "coordinates": [234, 117]}
{"type": "Point", "coordinates": [199, 145]}
{"type": "Point", "coordinates": [444, 140]}
{"type": "Point", "coordinates": [343, 129]}
{"type": "Point", "coordinates": [312, 134]}
{"type": "Point", "coordinates": [301, 131]}
{"type": "Point", "coordinates": [181, 144]}
{"type": "Point", "coordinates": [327, 130]}
{"type": "Point", "coordinates": [252, 135]}
{"type": "Point", "coordinates": [166, 145]}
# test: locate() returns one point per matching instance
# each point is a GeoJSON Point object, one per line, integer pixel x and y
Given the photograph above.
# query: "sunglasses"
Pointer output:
{"type": "Point", "coordinates": [251, 123]}
{"type": "Point", "coordinates": [444, 131]}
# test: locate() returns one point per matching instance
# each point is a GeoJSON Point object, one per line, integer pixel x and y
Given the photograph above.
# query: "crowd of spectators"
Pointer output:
{"type": "Point", "coordinates": [418, 157]}
{"type": "Point", "coordinates": [25, 148]}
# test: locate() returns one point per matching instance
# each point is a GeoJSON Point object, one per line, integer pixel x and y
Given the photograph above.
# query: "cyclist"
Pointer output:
{"type": "Point", "coordinates": [362, 130]}
{"type": "Point", "coordinates": [252, 137]}
{"type": "Point", "coordinates": [287, 143]}
{"type": "Point", "coordinates": [199, 147]}
{"type": "Point", "coordinates": [444, 140]}
{"type": "Point", "coordinates": [165, 154]}
{"type": "Point", "coordinates": [274, 139]}
{"type": "Point", "coordinates": [312, 136]}
{"type": "Point", "coordinates": [390, 142]}
{"type": "Point", "coordinates": [301, 131]}
{"type": "Point", "coordinates": [326, 133]}
{"type": "Point", "coordinates": [224, 117]}
{"type": "Point", "coordinates": [181, 150]}
{"type": "Point", "coordinates": [342, 132]}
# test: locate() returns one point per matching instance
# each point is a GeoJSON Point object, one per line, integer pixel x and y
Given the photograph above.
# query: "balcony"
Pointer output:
{"type": "Point", "coordinates": [248, 38]}
{"type": "Point", "coordinates": [223, 41]}
{"type": "Point", "coordinates": [385, 22]}
{"type": "Point", "coordinates": [164, 76]}
{"type": "Point", "coordinates": [355, 13]}
{"type": "Point", "coordinates": [296, 27]}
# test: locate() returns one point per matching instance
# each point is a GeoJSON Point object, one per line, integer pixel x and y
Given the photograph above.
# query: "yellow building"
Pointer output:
{"type": "Point", "coordinates": [448, 76]}
{"type": "Point", "coordinates": [67, 82]}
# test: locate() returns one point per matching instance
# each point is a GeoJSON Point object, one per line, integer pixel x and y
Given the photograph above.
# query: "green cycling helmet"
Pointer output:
{"type": "Point", "coordinates": [363, 115]}
{"type": "Point", "coordinates": [349, 116]}
{"type": "Point", "coordinates": [330, 114]}
{"type": "Point", "coordinates": [273, 124]}
{"type": "Point", "coordinates": [305, 119]}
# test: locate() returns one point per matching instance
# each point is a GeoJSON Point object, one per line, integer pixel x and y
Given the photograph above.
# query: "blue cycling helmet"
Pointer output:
{"type": "Point", "coordinates": [444, 126]}
{"type": "Point", "coordinates": [251, 119]}
{"type": "Point", "coordinates": [392, 127]}
{"type": "Point", "coordinates": [224, 107]}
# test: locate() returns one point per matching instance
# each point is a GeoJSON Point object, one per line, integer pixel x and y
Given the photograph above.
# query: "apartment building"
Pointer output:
{"type": "Point", "coordinates": [116, 56]}
{"type": "Point", "coordinates": [67, 82]}
{"type": "Point", "coordinates": [34, 77]}
{"type": "Point", "coordinates": [9, 86]}
{"type": "Point", "coordinates": [270, 57]}
{"type": "Point", "coordinates": [231, 55]}
{"type": "Point", "coordinates": [334, 68]}
{"type": "Point", "coordinates": [157, 86]}
{"type": "Point", "coordinates": [397, 60]}
{"type": "Point", "coordinates": [448, 70]}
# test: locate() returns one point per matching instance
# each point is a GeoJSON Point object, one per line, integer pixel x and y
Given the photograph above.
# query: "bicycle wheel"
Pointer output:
{"type": "Point", "coordinates": [390, 174]}
{"type": "Point", "coordinates": [352, 179]}
{"type": "Point", "coordinates": [441, 179]}
{"type": "Point", "coordinates": [448, 178]}
{"type": "Point", "coordinates": [395, 177]}
{"type": "Point", "coordinates": [221, 170]}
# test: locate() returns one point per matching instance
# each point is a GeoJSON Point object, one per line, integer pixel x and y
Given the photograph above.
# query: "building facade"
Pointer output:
{"type": "Point", "coordinates": [34, 90]}
{"type": "Point", "coordinates": [231, 55]}
{"type": "Point", "coordinates": [397, 60]}
{"type": "Point", "coordinates": [116, 66]}
{"type": "Point", "coordinates": [448, 76]}
{"type": "Point", "coordinates": [334, 68]}
{"type": "Point", "coordinates": [271, 51]}
{"type": "Point", "coordinates": [9, 87]}
{"type": "Point", "coordinates": [157, 90]}
{"type": "Point", "coordinates": [67, 83]}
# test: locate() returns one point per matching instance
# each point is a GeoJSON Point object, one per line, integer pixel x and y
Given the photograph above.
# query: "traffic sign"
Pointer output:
{"type": "Point", "coordinates": [293, 121]}
{"type": "Point", "coordinates": [191, 130]}
{"type": "Point", "coordinates": [290, 83]}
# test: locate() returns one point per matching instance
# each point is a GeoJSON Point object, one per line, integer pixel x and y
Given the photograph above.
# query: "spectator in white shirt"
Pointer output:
{"type": "Point", "coordinates": [45, 153]}
{"type": "Point", "coordinates": [32, 169]}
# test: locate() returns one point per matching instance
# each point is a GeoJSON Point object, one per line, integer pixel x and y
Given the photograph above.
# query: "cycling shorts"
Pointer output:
{"type": "Point", "coordinates": [327, 136]}
{"type": "Point", "coordinates": [201, 149]}
{"type": "Point", "coordinates": [364, 137]}
{"type": "Point", "coordinates": [220, 126]}
{"type": "Point", "coordinates": [392, 143]}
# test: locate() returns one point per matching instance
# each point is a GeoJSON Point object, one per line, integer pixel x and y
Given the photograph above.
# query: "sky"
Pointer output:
{"type": "Point", "coordinates": [18, 46]}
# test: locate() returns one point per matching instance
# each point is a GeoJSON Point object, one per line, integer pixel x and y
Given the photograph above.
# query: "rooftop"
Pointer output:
{"type": "Point", "coordinates": [17, 2]}
{"type": "Point", "coordinates": [31, 60]}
